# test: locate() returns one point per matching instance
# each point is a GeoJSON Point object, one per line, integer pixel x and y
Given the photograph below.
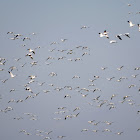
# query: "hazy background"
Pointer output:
{"type": "Point", "coordinates": [51, 21]}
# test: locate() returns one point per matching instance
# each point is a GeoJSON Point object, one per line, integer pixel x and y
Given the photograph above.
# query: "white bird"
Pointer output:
{"type": "Point", "coordinates": [63, 40]}
{"type": "Point", "coordinates": [132, 86]}
{"type": "Point", "coordinates": [49, 58]}
{"type": "Point", "coordinates": [17, 59]}
{"type": "Point", "coordinates": [61, 137]}
{"type": "Point", "coordinates": [119, 133]}
{"type": "Point", "coordinates": [67, 96]}
{"type": "Point", "coordinates": [84, 27]}
{"type": "Point", "coordinates": [75, 77]}
{"type": "Point", "coordinates": [109, 79]}
{"type": "Point", "coordinates": [95, 130]}
{"type": "Point", "coordinates": [30, 55]}
{"type": "Point", "coordinates": [13, 38]}
{"type": "Point", "coordinates": [107, 130]}
{"type": "Point", "coordinates": [12, 68]}
{"type": "Point", "coordinates": [32, 76]}
{"type": "Point", "coordinates": [12, 90]}
{"type": "Point", "coordinates": [46, 138]}
{"type": "Point", "coordinates": [77, 59]}
{"type": "Point", "coordinates": [28, 89]}
{"type": "Point", "coordinates": [16, 35]}
{"type": "Point", "coordinates": [126, 97]}
{"type": "Point", "coordinates": [84, 95]}
{"type": "Point", "coordinates": [114, 95]}
{"type": "Point", "coordinates": [113, 41]}
{"type": "Point", "coordinates": [3, 81]}
{"type": "Point", "coordinates": [26, 38]}
{"type": "Point", "coordinates": [120, 68]}
{"type": "Point", "coordinates": [97, 98]}
{"type": "Point", "coordinates": [33, 63]}
{"type": "Point", "coordinates": [96, 76]}
{"type": "Point", "coordinates": [33, 33]}
{"type": "Point", "coordinates": [91, 121]}
{"type": "Point", "coordinates": [53, 74]}
{"type": "Point", "coordinates": [31, 51]}
{"type": "Point", "coordinates": [108, 123]}
{"type": "Point", "coordinates": [84, 53]}
{"type": "Point", "coordinates": [130, 23]}
{"type": "Point", "coordinates": [104, 34]}
{"type": "Point", "coordinates": [53, 43]}
{"type": "Point", "coordinates": [77, 108]}
{"type": "Point", "coordinates": [112, 107]}
{"type": "Point", "coordinates": [11, 74]}
{"type": "Point", "coordinates": [86, 48]}
{"type": "Point", "coordinates": [84, 130]}
{"type": "Point", "coordinates": [127, 34]}
{"type": "Point", "coordinates": [134, 76]}
{"type": "Point", "coordinates": [139, 27]}
{"type": "Point", "coordinates": [10, 32]}
{"type": "Point", "coordinates": [48, 132]}
{"type": "Point", "coordinates": [103, 68]}
{"type": "Point", "coordinates": [61, 57]}
{"type": "Point", "coordinates": [12, 100]}
{"type": "Point", "coordinates": [2, 63]}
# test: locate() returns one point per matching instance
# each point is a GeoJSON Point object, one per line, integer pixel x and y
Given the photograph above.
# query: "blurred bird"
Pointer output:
{"type": "Point", "coordinates": [119, 36]}
{"type": "Point", "coordinates": [11, 74]}
{"type": "Point", "coordinates": [26, 38]}
{"type": "Point", "coordinates": [130, 23]}
{"type": "Point", "coordinates": [84, 27]}
{"type": "Point", "coordinates": [31, 51]}
{"type": "Point", "coordinates": [112, 41]}
{"type": "Point", "coordinates": [127, 35]}
{"type": "Point", "coordinates": [63, 40]}
{"type": "Point", "coordinates": [139, 27]}
{"type": "Point", "coordinates": [104, 34]}
{"type": "Point", "coordinates": [120, 68]}
{"type": "Point", "coordinates": [119, 133]}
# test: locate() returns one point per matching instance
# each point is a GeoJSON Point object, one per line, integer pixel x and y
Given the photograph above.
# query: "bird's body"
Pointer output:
{"type": "Point", "coordinates": [11, 74]}
{"type": "Point", "coordinates": [31, 51]}
{"type": "Point", "coordinates": [119, 36]}
{"type": "Point", "coordinates": [127, 35]}
{"type": "Point", "coordinates": [112, 41]}
{"type": "Point", "coordinates": [84, 27]}
{"type": "Point", "coordinates": [131, 24]}
{"type": "Point", "coordinates": [139, 27]}
{"type": "Point", "coordinates": [104, 34]}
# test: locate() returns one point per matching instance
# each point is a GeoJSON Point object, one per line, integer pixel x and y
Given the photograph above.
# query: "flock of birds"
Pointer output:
{"type": "Point", "coordinates": [92, 94]}
{"type": "Point", "coordinates": [119, 36]}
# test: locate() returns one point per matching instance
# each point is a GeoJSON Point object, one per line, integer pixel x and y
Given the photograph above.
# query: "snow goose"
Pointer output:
{"type": "Point", "coordinates": [130, 23]}
{"type": "Point", "coordinates": [11, 74]}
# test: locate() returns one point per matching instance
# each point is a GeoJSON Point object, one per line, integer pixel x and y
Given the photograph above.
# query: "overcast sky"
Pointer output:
{"type": "Point", "coordinates": [61, 66]}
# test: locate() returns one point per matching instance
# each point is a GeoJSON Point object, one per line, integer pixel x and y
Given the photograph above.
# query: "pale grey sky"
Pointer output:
{"type": "Point", "coordinates": [65, 70]}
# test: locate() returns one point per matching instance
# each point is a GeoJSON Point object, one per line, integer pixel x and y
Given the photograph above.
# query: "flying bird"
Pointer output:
{"type": "Point", "coordinates": [119, 36]}
{"type": "Point", "coordinates": [113, 41]}
{"type": "Point", "coordinates": [139, 27]}
{"type": "Point", "coordinates": [26, 38]}
{"type": "Point", "coordinates": [63, 40]}
{"type": "Point", "coordinates": [104, 34]}
{"type": "Point", "coordinates": [11, 74]}
{"type": "Point", "coordinates": [127, 34]}
{"type": "Point", "coordinates": [130, 23]}
{"type": "Point", "coordinates": [31, 51]}
{"type": "Point", "coordinates": [84, 27]}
